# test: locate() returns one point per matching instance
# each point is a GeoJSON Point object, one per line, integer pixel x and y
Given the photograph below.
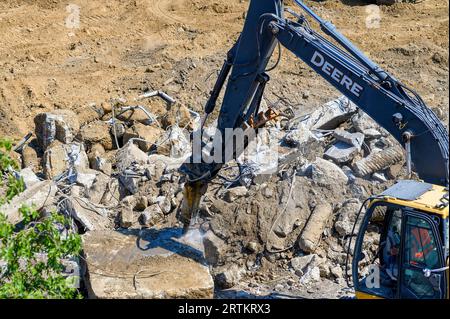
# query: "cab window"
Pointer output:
{"type": "Point", "coordinates": [420, 252]}
{"type": "Point", "coordinates": [378, 267]}
{"type": "Point", "coordinates": [420, 247]}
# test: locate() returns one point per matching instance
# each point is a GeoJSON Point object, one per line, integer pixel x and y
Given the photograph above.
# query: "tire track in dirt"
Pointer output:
{"type": "Point", "coordinates": [159, 8]}
{"type": "Point", "coordinates": [94, 19]}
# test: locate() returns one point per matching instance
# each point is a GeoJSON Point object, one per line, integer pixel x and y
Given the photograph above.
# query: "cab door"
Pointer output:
{"type": "Point", "coordinates": [421, 250]}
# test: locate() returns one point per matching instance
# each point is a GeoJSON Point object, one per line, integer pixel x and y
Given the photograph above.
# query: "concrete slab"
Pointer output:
{"type": "Point", "coordinates": [146, 264]}
{"type": "Point", "coordinates": [38, 195]}
{"type": "Point", "coordinates": [341, 152]}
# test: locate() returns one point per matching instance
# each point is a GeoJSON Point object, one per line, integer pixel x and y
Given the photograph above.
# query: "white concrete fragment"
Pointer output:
{"type": "Point", "coordinates": [91, 217]}
{"type": "Point", "coordinates": [301, 135]}
{"type": "Point", "coordinates": [61, 125]}
{"type": "Point", "coordinates": [330, 115]}
{"type": "Point", "coordinates": [37, 196]}
{"type": "Point", "coordinates": [59, 158]}
{"type": "Point", "coordinates": [325, 173]}
{"type": "Point", "coordinates": [152, 215]}
{"type": "Point", "coordinates": [341, 152]}
{"type": "Point", "coordinates": [347, 214]}
{"type": "Point", "coordinates": [379, 177]}
{"type": "Point", "coordinates": [301, 264]}
{"type": "Point", "coordinates": [85, 177]}
{"type": "Point", "coordinates": [128, 155]}
{"type": "Point", "coordinates": [28, 176]}
{"type": "Point", "coordinates": [354, 139]}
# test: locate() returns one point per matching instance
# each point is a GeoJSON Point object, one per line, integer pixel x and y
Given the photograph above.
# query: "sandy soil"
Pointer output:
{"type": "Point", "coordinates": [123, 48]}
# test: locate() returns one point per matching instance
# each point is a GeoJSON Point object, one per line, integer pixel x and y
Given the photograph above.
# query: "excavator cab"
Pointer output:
{"type": "Point", "coordinates": [402, 247]}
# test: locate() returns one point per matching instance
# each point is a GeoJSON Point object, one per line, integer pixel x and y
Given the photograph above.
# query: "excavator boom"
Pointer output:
{"type": "Point", "coordinates": [394, 106]}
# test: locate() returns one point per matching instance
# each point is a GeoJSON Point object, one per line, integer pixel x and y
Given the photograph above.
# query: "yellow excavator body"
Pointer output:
{"type": "Point", "coordinates": [431, 201]}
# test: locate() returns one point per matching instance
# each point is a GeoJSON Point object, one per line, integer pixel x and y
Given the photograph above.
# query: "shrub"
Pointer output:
{"type": "Point", "coordinates": [31, 255]}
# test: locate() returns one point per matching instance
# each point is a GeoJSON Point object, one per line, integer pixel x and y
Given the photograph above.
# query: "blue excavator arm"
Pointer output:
{"type": "Point", "coordinates": [386, 100]}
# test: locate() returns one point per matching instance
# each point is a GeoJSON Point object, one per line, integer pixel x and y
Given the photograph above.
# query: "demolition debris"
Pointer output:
{"type": "Point", "coordinates": [114, 170]}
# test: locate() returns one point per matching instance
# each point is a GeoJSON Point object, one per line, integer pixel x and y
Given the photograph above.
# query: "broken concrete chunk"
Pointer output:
{"type": "Point", "coordinates": [98, 161]}
{"type": "Point", "coordinates": [119, 129]}
{"type": "Point", "coordinates": [61, 125]}
{"type": "Point", "coordinates": [59, 158]}
{"type": "Point", "coordinates": [156, 267]}
{"type": "Point", "coordinates": [325, 270]}
{"type": "Point", "coordinates": [354, 139]}
{"type": "Point", "coordinates": [174, 143]}
{"type": "Point", "coordinates": [347, 214]}
{"type": "Point", "coordinates": [90, 113]}
{"type": "Point", "coordinates": [37, 196]}
{"type": "Point", "coordinates": [372, 134]}
{"type": "Point", "coordinates": [378, 161]}
{"type": "Point", "coordinates": [85, 177]}
{"type": "Point", "coordinates": [379, 177]}
{"type": "Point", "coordinates": [151, 216]}
{"type": "Point", "coordinates": [214, 248]}
{"type": "Point", "coordinates": [28, 176]}
{"type": "Point", "coordinates": [349, 172]}
{"type": "Point", "coordinates": [91, 217]}
{"type": "Point", "coordinates": [150, 134]}
{"type": "Point", "coordinates": [137, 115]}
{"type": "Point", "coordinates": [311, 275]}
{"type": "Point", "coordinates": [179, 115]}
{"type": "Point", "coordinates": [101, 164]}
{"type": "Point", "coordinates": [165, 204]}
{"type": "Point", "coordinates": [294, 211]}
{"type": "Point", "coordinates": [337, 272]}
{"type": "Point", "coordinates": [331, 115]}
{"type": "Point", "coordinates": [325, 173]}
{"type": "Point", "coordinates": [302, 263]}
{"type": "Point", "coordinates": [364, 124]}
{"type": "Point", "coordinates": [128, 155]}
{"type": "Point", "coordinates": [96, 150]}
{"type": "Point", "coordinates": [300, 136]}
{"type": "Point", "coordinates": [99, 187]}
{"type": "Point", "coordinates": [127, 217]}
{"type": "Point", "coordinates": [129, 201]}
{"type": "Point", "coordinates": [170, 165]}
{"type": "Point", "coordinates": [341, 153]}
{"type": "Point", "coordinates": [313, 230]}
{"type": "Point", "coordinates": [336, 257]}
{"type": "Point", "coordinates": [114, 192]}
{"type": "Point", "coordinates": [234, 193]}
{"type": "Point", "coordinates": [97, 132]}
{"type": "Point", "coordinates": [130, 182]}
{"type": "Point", "coordinates": [141, 203]}
{"type": "Point", "coordinates": [229, 276]}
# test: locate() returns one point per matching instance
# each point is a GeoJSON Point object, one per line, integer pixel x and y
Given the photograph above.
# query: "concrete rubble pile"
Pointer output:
{"type": "Point", "coordinates": [124, 200]}
{"type": "Point", "coordinates": [296, 223]}
{"type": "Point", "coordinates": [114, 172]}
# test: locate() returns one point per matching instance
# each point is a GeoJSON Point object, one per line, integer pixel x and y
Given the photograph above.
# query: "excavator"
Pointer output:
{"type": "Point", "coordinates": [408, 224]}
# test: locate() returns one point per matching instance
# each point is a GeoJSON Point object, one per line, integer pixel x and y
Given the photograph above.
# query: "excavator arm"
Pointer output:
{"type": "Point", "coordinates": [386, 100]}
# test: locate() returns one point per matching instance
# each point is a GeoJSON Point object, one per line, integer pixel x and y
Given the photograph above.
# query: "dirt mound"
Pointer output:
{"type": "Point", "coordinates": [119, 49]}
